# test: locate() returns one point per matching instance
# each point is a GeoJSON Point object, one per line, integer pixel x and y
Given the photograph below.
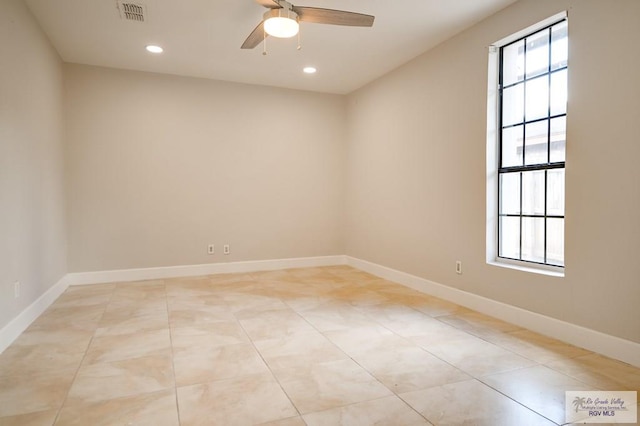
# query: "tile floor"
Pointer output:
{"type": "Point", "coordinates": [313, 346]}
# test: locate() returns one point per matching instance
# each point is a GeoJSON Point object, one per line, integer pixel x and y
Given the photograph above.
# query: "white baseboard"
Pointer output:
{"type": "Point", "coordinates": [605, 344]}
{"type": "Point", "coordinates": [77, 278]}
{"type": "Point", "coordinates": [16, 326]}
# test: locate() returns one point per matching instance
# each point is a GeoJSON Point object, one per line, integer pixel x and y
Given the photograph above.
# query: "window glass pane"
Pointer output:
{"type": "Point", "coordinates": [513, 63]}
{"type": "Point", "coordinates": [555, 192]}
{"type": "Point", "coordinates": [509, 237]}
{"type": "Point", "coordinates": [537, 91]}
{"type": "Point", "coordinates": [559, 92]}
{"type": "Point", "coordinates": [555, 242]}
{"type": "Point", "coordinates": [512, 146]}
{"type": "Point", "coordinates": [536, 142]}
{"type": "Point", "coordinates": [533, 239]}
{"type": "Point", "coordinates": [533, 192]}
{"type": "Point", "coordinates": [513, 105]}
{"type": "Point", "coordinates": [537, 57]}
{"type": "Point", "coordinates": [559, 47]}
{"type": "Point", "coordinates": [510, 193]}
{"type": "Point", "coordinates": [558, 139]}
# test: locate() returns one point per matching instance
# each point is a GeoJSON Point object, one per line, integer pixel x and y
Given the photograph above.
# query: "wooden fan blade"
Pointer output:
{"type": "Point", "coordinates": [334, 17]}
{"type": "Point", "coordinates": [255, 38]}
{"type": "Point", "coordinates": [269, 4]}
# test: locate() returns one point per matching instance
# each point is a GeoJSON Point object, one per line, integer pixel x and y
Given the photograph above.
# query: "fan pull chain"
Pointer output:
{"type": "Point", "coordinates": [299, 44]}
{"type": "Point", "coordinates": [264, 43]}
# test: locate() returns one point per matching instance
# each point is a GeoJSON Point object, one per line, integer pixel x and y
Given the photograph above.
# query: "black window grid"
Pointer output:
{"type": "Point", "coordinates": [546, 166]}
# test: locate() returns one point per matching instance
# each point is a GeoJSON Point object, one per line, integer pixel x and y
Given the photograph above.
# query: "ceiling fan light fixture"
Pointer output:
{"type": "Point", "coordinates": [152, 48]}
{"type": "Point", "coordinates": [281, 24]}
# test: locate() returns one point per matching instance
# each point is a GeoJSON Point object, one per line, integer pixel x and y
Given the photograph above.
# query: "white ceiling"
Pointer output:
{"type": "Point", "coordinates": [202, 38]}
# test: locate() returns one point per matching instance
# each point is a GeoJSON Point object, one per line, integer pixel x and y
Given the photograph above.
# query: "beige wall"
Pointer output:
{"type": "Point", "coordinates": [32, 218]}
{"type": "Point", "coordinates": [416, 168]}
{"type": "Point", "coordinates": [160, 166]}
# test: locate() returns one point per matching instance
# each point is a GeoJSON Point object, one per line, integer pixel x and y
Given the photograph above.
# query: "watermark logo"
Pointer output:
{"type": "Point", "coordinates": [601, 406]}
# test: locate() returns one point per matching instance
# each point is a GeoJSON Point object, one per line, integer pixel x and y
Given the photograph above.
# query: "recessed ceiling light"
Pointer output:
{"type": "Point", "coordinates": [309, 70]}
{"type": "Point", "coordinates": [154, 49]}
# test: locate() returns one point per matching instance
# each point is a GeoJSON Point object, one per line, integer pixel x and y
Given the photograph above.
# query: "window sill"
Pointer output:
{"type": "Point", "coordinates": [555, 272]}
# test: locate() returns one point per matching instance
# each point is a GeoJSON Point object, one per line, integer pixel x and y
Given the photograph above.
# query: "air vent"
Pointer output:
{"type": "Point", "coordinates": [132, 11]}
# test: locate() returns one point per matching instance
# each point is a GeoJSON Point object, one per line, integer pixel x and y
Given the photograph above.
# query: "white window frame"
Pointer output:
{"type": "Point", "coordinates": [493, 155]}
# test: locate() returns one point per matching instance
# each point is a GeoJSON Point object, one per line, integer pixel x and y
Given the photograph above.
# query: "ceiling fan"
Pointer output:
{"type": "Point", "coordinates": [281, 20]}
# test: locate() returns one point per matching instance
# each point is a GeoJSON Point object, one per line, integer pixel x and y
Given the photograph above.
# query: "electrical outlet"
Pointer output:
{"type": "Point", "coordinates": [16, 289]}
{"type": "Point", "coordinates": [227, 249]}
{"type": "Point", "coordinates": [459, 267]}
{"type": "Point", "coordinates": [210, 249]}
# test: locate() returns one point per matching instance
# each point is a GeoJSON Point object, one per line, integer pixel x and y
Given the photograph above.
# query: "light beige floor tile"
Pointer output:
{"type": "Point", "coordinates": [200, 364]}
{"type": "Point", "coordinates": [73, 297]}
{"type": "Point", "coordinates": [22, 394]}
{"type": "Point", "coordinates": [402, 296]}
{"type": "Point", "coordinates": [356, 296]}
{"type": "Point", "coordinates": [437, 333]}
{"type": "Point", "coordinates": [140, 290]}
{"type": "Point", "coordinates": [115, 326]}
{"type": "Point", "coordinates": [286, 288]}
{"type": "Point", "coordinates": [478, 357]}
{"type": "Point", "coordinates": [408, 368]}
{"type": "Point", "coordinates": [26, 360]}
{"type": "Point", "coordinates": [318, 300]}
{"type": "Point", "coordinates": [331, 384]}
{"type": "Point", "coordinates": [40, 418]}
{"type": "Point", "coordinates": [250, 306]}
{"type": "Point", "coordinates": [218, 280]}
{"type": "Point", "coordinates": [355, 275]}
{"type": "Point", "coordinates": [67, 340]}
{"type": "Point", "coordinates": [470, 403]}
{"type": "Point", "coordinates": [199, 315]}
{"type": "Point", "coordinates": [141, 293]}
{"type": "Point", "coordinates": [317, 274]}
{"type": "Point", "coordinates": [535, 346]}
{"type": "Point", "coordinates": [387, 312]}
{"type": "Point", "coordinates": [600, 372]}
{"type": "Point", "coordinates": [110, 380]}
{"type": "Point", "coordinates": [179, 291]}
{"type": "Point", "coordinates": [392, 289]}
{"type": "Point", "coordinates": [218, 333]}
{"type": "Point", "coordinates": [72, 317]}
{"type": "Point", "coordinates": [184, 301]}
{"type": "Point", "coordinates": [389, 411]}
{"type": "Point", "coordinates": [119, 309]}
{"type": "Point", "coordinates": [405, 321]}
{"type": "Point", "coordinates": [242, 401]}
{"type": "Point", "coordinates": [291, 421]}
{"type": "Point", "coordinates": [335, 316]}
{"type": "Point", "coordinates": [298, 350]}
{"type": "Point", "coordinates": [436, 307]}
{"type": "Point", "coordinates": [157, 408]}
{"type": "Point", "coordinates": [366, 339]}
{"type": "Point", "coordinates": [278, 275]}
{"type": "Point", "coordinates": [539, 388]}
{"type": "Point", "coordinates": [275, 323]}
{"type": "Point", "coordinates": [190, 287]}
{"type": "Point", "coordinates": [126, 294]}
{"type": "Point", "coordinates": [478, 324]}
{"type": "Point", "coordinates": [338, 269]}
{"type": "Point", "coordinates": [114, 348]}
